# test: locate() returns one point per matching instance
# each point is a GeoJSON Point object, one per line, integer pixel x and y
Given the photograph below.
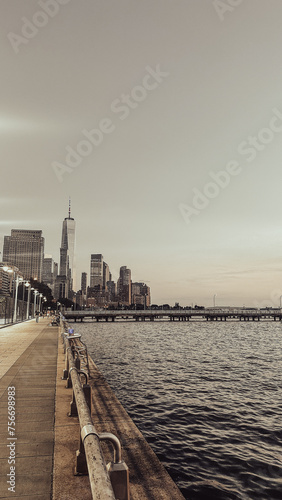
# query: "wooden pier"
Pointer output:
{"type": "Point", "coordinates": [231, 314]}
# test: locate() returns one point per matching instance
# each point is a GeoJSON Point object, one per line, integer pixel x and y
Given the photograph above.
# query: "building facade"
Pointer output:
{"type": "Point", "coordinates": [5, 281]}
{"type": "Point", "coordinates": [25, 250]}
{"type": "Point", "coordinates": [96, 270]}
{"type": "Point", "coordinates": [112, 291]}
{"type": "Point", "coordinates": [62, 287]}
{"type": "Point", "coordinates": [49, 272]}
{"type": "Point", "coordinates": [106, 275]}
{"type": "Point", "coordinates": [124, 286]}
{"type": "Point", "coordinates": [140, 294]}
{"type": "Point", "coordinates": [84, 283]}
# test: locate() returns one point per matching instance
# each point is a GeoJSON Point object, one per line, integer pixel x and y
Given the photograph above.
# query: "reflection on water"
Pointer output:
{"type": "Point", "coordinates": [206, 396]}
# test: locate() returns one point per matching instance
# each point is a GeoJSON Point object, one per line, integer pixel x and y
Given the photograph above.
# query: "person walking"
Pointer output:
{"type": "Point", "coordinates": [37, 316]}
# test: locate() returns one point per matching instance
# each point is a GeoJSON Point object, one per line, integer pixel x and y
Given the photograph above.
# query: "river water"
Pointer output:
{"type": "Point", "coordinates": [207, 397]}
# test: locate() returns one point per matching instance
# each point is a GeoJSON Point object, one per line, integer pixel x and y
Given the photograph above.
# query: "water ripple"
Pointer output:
{"type": "Point", "coordinates": [206, 397]}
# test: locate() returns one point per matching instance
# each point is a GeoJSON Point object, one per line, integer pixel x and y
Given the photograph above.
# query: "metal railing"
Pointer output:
{"type": "Point", "coordinates": [107, 482]}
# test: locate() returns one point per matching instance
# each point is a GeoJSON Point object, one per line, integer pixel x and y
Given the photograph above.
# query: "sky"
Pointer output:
{"type": "Point", "coordinates": [162, 121]}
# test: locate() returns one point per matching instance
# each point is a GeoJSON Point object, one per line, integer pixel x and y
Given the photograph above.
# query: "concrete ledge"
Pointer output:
{"type": "Point", "coordinates": [148, 478]}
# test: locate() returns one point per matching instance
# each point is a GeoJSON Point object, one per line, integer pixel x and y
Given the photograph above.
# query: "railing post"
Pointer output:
{"type": "Point", "coordinates": [73, 407]}
{"type": "Point", "coordinates": [119, 476]}
{"type": "Point", "coordinates": [81, 468]}
{"type": "Point", "coordinates": [77, 363]}
{"type": "Point", "coordinates": [118, 470]}
{"type": "Point", "coordinates": [87, 395]}
{"type": "Point", "coordinates": [66, 370]}
{"type": "Point", "coordinates": [69, 383]}
{"type": "Point", "coordinates": [81, 462]}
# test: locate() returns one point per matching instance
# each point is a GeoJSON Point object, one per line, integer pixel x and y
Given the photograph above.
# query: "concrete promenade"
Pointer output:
{"type": "Point", "coordinates": [28, 362]}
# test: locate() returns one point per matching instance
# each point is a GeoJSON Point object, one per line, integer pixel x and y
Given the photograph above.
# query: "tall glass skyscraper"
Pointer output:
{"type": "Point", "coordinates": [124, 285]}
{"type": "Point", "coordinates": [66, 281]}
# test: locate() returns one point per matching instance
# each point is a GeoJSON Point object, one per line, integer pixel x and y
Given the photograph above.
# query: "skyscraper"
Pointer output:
{"type": "Point", "coordinates": [96, 270]}
{"type": "Point", "coordinates": [49, 272]}
{"type": "Point", "coordinates": [140, 294]}
{"type": "Point", "coordinates": [66, 280]}
{"type": "Point", "coordinates": [112, 290]}
{"type": "Point", "coordinates": [67, 263]}
{"type": "Point", "coordinates": [25, 250]}
{"type": "Point", "coordinates": [124, 286]}
{"type": "Point", "coordinates": [106, 275]}
{"type": "Point", "coordinates": [84, 282]}
{"type": "Point", "coordinates": [55, 270]}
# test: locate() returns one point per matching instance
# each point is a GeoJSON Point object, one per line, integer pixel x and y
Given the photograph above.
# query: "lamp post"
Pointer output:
{"type": "Point", "coordinates": [39, 306]}
{"type": "Point", "coordinates": [16, 299]}
{"type": "Point", "coordinates": [23, 282]}
{"type": "Point", "coordinates": [27, 284]}
{"type": "Point", "coordinates": [35, 292]}
{"type": "Point", "coordinates": [32, 290]}
{"type": "Point", "coordinates": [44, 300]}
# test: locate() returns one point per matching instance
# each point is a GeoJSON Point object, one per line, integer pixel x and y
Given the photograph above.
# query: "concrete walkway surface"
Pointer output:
{"type": "Point", "coordinates": [28, 362]}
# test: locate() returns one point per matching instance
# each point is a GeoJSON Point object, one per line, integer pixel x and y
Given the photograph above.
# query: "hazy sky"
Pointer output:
{"type": "Point", "coordinates": [179, 90]}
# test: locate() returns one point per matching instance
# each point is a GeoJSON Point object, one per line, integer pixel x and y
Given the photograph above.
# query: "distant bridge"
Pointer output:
{"type": "Point", "coordinates": [239, 314]}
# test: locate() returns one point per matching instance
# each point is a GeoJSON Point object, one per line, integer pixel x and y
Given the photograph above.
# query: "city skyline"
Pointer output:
{"type": "Point", "coordinates": [25, 250]}
{"type": "Point", "coordinates": [98, 278]}
{"type": "Point", "coordinates": [172, 162]}
{"type": "Point", "coordinates": [273, 300]}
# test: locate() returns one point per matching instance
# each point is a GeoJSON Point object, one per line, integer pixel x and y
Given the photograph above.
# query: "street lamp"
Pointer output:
{"type": "Point", "coordinates": [39, 306]}
{"type": "Point", "coordinates": [27, 284]}
{"type": "Point", "coordinates": [16, 298]}
{"type": "Point", "coordinates": [35, 292]}
{"type": "Point", "coordinates": [31, 290]}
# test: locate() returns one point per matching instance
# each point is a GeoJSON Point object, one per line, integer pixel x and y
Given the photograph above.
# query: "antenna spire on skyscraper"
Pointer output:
{"type": "Point", "coordinates": [69, 208]}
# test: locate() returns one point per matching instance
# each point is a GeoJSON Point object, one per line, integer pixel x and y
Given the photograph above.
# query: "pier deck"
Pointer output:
{"type": "Point", "coordinates": [32, 360]}
{"type": "Point", "coordinates": [208, 314]}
